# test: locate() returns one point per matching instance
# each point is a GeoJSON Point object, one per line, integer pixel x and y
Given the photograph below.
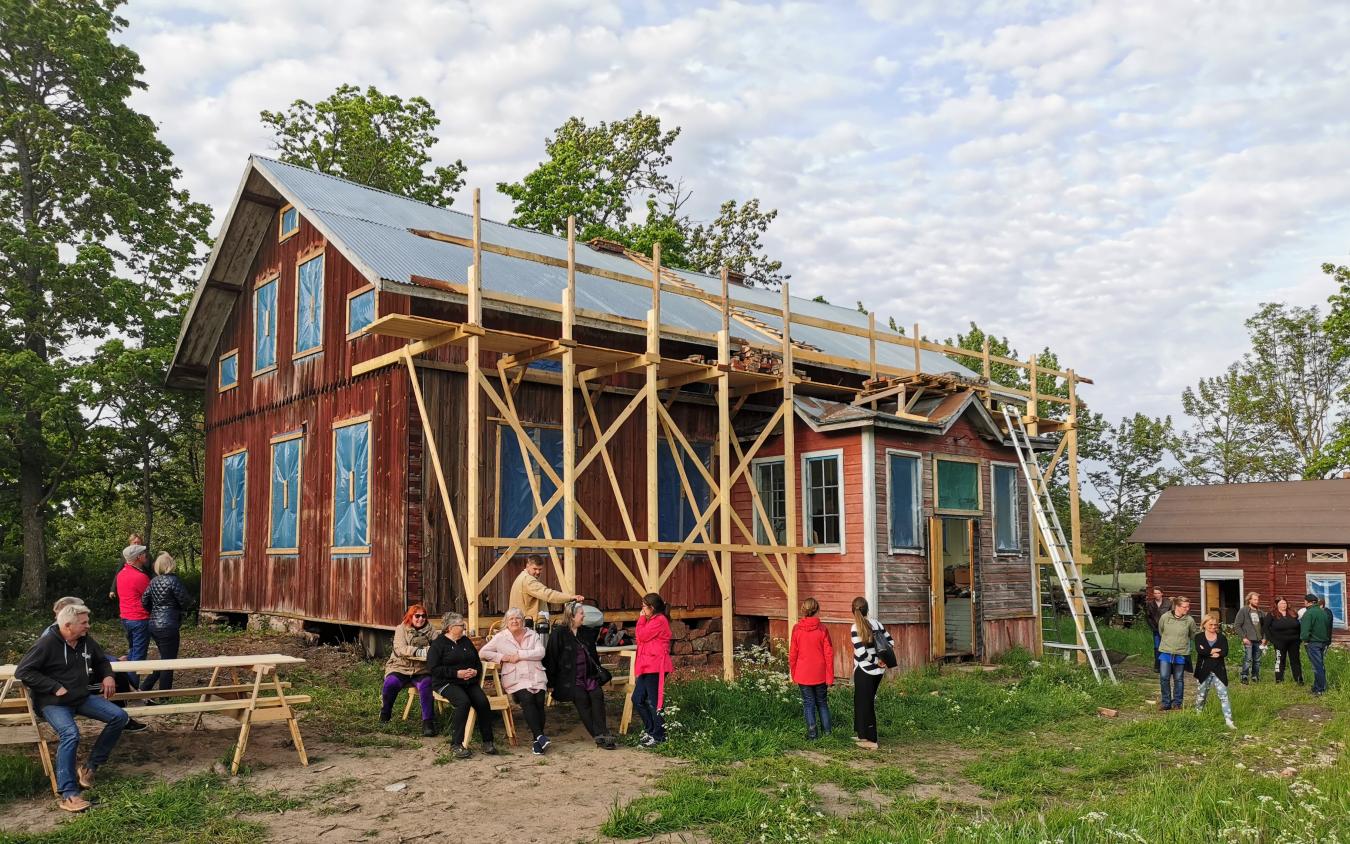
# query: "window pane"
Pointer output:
{"type": "Point", "coordinates": [265, 326]}
{"type": "Point", "coordinates": [290, 220]}
{"type": "Point", "coordinates": [309, 305]}
{"type": "Point", "coordinates": [515, 506]}
{"type": "Point", "coordinates": [360, 311]}
{"type": "Point", "coordinates": [234, 487]}
{"type": "Point", "coordinates": [904, 501]}
{"type": "Point", "coordinates": [1332, 590]}
{"type": "Point", "coordinates": [1005, 509]}
{"type": "Point", "coordinates": [822, 500]}
{"type": "Point", "coordinates": [769, 478]}
{"type": "Point", "coordinates": [958, 485]}
{"type": "Point", "coordinates": [285, 509]}
{"type": "Point", "coordinates": [351, 486]}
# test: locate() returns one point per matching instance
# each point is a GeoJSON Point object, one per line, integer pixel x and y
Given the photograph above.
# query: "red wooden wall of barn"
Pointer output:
{"type": "Point", "coordinates": [1273, 571]}
{"type": "Point", "coordinates": [309, 394]}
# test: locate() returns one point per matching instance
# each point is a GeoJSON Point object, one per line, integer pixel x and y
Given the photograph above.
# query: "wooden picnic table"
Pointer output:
{"type": "Point", "coordinates": [628, 652]}
{"type": "Point", "coordinates": [259, 699]}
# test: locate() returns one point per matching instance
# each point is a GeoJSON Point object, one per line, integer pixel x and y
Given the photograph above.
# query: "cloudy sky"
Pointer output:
{"type": "Point", "coordinates": [1123, 182]}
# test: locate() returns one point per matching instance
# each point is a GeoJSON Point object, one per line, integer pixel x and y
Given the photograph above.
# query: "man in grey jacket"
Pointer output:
{"type": "Point", "coordinates": [1249, 622]}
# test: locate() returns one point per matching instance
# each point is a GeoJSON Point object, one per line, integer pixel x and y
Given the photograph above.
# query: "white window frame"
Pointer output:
{"type": "Point", "coordinates": [1327, 555]}
{"type": "Point", "coordinates": [1222, 555]}
{"type": "Point", "coordinates": [1221, 574]}
{"type": "Point", "coordinates": [1016, 508]}
{"type": "Point", "coordinates": [838, 455]}
{"type": "Point", "coordinates": [918, 547]}
{"type": "Point", "coordinates": [1345, 598]}
{"type": "Point", "coordinates": [938, 509]}
{"type": "Point", "coordinates": [765, 538]}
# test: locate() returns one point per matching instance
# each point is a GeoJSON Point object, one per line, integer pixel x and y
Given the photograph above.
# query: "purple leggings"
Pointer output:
{"type": "Point", "coordinates": [395, 683]}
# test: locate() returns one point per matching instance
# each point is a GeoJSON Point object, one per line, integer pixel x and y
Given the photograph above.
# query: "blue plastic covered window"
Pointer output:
{"type": "Point", "coordinates": [351, 487]}
{"type": "Point", "coordinates": [290, 222]}
{"type": "Point", "coordinates": [309, 306]}
{"type": "Point", "coordinates": [360, 311]}
{"type": "Point", "coordinates": [676, 517]}
{"type": "Point", "coordinates": [1330, 588]}
{"type": "Point", "coordinates": [229, 370]}
{"type": "Point", "coordinates": [904, 500]}
{"type": "Point", "coordinates": [1006, 535]}
{"type": "Point", "coordinates": [515, 506]}
{"type": "Point", "coordinates": [234, 487]}
{"type": "Point", "coordinates": [265, 326]}
{"type": "Point", "coordinates": [285, 508]}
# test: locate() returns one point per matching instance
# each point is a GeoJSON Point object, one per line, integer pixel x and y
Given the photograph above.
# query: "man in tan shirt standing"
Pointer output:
{"type": "Point", "coordinates": [529, 592]}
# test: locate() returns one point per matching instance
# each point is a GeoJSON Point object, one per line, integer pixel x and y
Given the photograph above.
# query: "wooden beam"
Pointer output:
{"type": "Point", "coordinates": [653, 375]}
{"type": "Point", "coordinates": [725, 436]}
{"type": "Point", "coordinates": [551, 349]}
{"type": "Point", "coordinates": [788, 412]}
{"type": "Point", "coordinates": [626, 365]}
{"type": "Point", "coordinates": [474, 417]}
{"type": "Point", "coordinates": [455, 335]}
{"type": "Point", "coordinates": [569, 413]}
{"type": "Point", "coordinates": [643, 544]}
{"type": "Point", "coordinates": [677, 381]}
{"type": "Point", "coordinates": [429, 437]}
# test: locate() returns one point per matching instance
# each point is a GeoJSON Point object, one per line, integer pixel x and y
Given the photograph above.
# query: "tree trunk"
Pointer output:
{"type": "Point", "coordinates": [33, 507]}
{"type": "Point", "coordinates": [147, 500]}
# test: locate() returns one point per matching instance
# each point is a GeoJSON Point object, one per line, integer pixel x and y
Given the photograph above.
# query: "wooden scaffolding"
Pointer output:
{"type": "Point", "coordinates": [719, 530]}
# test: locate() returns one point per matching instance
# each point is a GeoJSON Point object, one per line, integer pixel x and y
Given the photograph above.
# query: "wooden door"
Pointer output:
{"type": "Point", "coordinates": [937, 622]}
{"type": "Point", "coordinates": [1212, 595]}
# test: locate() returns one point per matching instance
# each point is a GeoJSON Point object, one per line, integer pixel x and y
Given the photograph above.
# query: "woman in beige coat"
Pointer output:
{"type": "Point", "coordinates": [519, 651]}
{"type": "Point", "coordinates": [407, 666]}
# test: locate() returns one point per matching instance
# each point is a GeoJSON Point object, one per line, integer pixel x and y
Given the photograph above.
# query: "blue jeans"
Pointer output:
{"type": "Point", "coordinates": [816, 703]}
{"type": "Point", "coordinates": [1251, 660]}
{"type": "Point", "coordinates": [138, 638]}
{"type": "Point", "coordinates": [1157, 640]}
{"type": "Point", "coordinates": [644, 701]}
{"type": "Point", "coordinates": [1317, 654]}
{"type": "Point", "coordinates": [1172, 678]}
{"type": "Point", "coordinates": [62, 719]}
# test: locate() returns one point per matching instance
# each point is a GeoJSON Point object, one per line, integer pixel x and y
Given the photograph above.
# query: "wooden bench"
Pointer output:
{"type": "Point", "coordinates": [627, 682]}
{"type": "Point", "coordinates": [498, 701]}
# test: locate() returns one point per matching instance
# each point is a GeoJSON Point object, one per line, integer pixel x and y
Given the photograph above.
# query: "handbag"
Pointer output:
{"type": "Point", "coordinates": [884, 647]}
{"type": "Point", "coordinates": [602, 674]}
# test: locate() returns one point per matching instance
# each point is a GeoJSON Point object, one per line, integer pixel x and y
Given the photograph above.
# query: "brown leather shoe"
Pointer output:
{"type": "Point", "coordinates": [73, 803]}
{"type": "Point", "coordinates": [85, 775]}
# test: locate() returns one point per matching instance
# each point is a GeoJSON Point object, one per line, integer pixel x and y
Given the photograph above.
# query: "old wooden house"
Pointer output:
{"type": "Point", "coordinates": [401, 399]}
{"type": "Point", "coordinates": [1215, 544]}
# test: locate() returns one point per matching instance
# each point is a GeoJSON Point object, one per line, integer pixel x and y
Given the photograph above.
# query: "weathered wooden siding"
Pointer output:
{"type": "Point", "coordinates": [310, 395]}
{"type": "Point", "coordinates": [1003, 634]}
{"type": "Point", "coordinates": [1273, 571]}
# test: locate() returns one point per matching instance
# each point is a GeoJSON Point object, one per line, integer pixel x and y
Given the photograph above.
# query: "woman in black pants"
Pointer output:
{"type": "Point", "coordinates": [457, 674]}
{"type": "Point", "coordinates": [867, 674]}
{"type": "Point", "coordinates": [1282, 631]}
{"type": "Point", "coordinates": [573, 668]}
{"type": "Point", "coordinates": [166, 600]}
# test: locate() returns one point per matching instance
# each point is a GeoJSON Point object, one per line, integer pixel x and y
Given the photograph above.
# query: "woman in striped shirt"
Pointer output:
{"type": "Point", "coordinates": [867, 674]}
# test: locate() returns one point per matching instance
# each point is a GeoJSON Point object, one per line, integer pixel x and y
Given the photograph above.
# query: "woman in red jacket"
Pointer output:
{"type": "Point", "coordinates": [811, 664]}
{"type": "Point", "coordinates": [651, 666]}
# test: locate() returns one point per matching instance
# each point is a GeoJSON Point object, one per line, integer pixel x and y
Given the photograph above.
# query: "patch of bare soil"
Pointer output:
{"type": "Point", "coordinates": [1310, 712]}
{"type": "Point", "coordinates": [844, 803]}
{"type": "Point", "coordinates": [958, 791]}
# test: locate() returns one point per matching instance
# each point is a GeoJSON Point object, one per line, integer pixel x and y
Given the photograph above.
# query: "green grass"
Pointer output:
{"type": "Point", "coordinates": [201, 808]}
{"type": "Point", "coordinates": [20, 776]}
{"type": "Point", "coordinates": [346, 708]}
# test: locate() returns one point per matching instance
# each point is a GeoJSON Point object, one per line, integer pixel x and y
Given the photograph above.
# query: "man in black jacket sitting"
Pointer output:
{"type": "Point", "coordinates": [59, 670]}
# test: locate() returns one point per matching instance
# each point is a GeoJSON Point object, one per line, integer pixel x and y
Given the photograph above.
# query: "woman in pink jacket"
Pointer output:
{"type": "Point", "coordinates": [651, 666]}
{"type": "Point", "coordinates": [519, 651]}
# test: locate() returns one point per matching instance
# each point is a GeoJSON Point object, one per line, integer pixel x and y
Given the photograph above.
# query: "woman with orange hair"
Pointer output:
{"type": "Point", "coordinates": [407, 666]}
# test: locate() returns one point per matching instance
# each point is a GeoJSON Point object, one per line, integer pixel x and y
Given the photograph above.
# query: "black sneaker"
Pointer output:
{"type": "Point", "coordinates": [385, 715]}
{"type": "Point", "coordinates": [599, 741]}
{"type": "Point", "coordinates": [609, 743]}
{"type": "Point", "coordinates": [544, 743]}
{"type": "Point", "coordinates": [489, 749]}
{"type": "Point", "coordinates": [538, 747]}
{"type": "Point", "coordinates": [461, 752]}
{"type": "Point", "coordinates": [134, 726]}
{"type": "Point", "coordinates": [429, 728]}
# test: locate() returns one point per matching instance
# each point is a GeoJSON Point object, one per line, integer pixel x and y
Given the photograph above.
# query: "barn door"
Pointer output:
{"type": "Point", "coordinates": [937, 623]}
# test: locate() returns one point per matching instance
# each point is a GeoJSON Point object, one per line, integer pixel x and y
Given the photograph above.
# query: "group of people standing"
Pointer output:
{"type": "Point", "coordinates": [1177, 635]}
{"type": "Point", "coordinates": [811, 667]}
{"type": "Point", "coordinates": [445, 662]}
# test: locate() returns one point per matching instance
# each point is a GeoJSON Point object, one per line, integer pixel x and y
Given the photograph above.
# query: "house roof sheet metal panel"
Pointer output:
{"type": "Point", "coordinates": [1286, 512]}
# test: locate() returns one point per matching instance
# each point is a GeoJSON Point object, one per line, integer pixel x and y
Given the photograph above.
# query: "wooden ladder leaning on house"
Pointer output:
{"type": "Point", "coordinates": [1088, 640]}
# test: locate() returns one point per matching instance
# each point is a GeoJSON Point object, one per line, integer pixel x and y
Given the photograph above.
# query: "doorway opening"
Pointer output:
{"type": "Point", "coordinates": [952, 579]}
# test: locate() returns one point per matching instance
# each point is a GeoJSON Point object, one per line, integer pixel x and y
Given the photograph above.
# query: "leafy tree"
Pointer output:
{"type": "Point", "coordinates": [376, 139]}
{"type": "Point", "coordinates": [1227, 441]}
{"type": "Point", "coordinates": [1335, 455]}
{"type": "Point", "coordinates": [1130, 470]}
{"type": "Point", "coordinates": [86, 192]}
{"type": "Point", "coordinates": [1299, 370]}
{"type": "Point", "coordinates": [597, 174]}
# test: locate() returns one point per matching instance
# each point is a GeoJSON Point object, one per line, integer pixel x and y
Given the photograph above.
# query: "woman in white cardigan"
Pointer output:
{"type": "Point", "coordinates": [519, 651]}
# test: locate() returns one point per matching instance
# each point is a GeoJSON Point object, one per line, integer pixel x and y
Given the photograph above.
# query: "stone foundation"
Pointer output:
{"type": "Point", "coordinates": [697, 643]}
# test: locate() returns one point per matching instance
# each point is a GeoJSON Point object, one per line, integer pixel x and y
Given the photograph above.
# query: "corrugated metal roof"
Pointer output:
{"type": "Point", "coordinates": [374, 225]}
{"type": "Point", "coordinates": [1292, 512]}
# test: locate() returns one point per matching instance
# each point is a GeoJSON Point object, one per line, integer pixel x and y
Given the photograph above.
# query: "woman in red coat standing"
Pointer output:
{"type": "Point", "coordinates": [811, 664]}
{"type": "Point", "coordinates": [651, 666]}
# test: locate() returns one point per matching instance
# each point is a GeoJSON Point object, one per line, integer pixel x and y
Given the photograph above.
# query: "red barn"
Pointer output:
{"type": "Point", "coordinates": [1218, 543]}
{"type": "Point", "coordinates": [400, 399]}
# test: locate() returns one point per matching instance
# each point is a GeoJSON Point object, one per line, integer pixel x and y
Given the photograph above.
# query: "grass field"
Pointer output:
{"type": "Point", "coordinates": [1018, 753]}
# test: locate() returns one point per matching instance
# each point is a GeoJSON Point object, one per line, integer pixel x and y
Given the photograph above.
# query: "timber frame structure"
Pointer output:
{"type": "Point", "coordinates": [719, 530]}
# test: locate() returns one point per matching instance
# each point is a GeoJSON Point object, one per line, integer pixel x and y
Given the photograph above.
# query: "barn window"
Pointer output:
{"type": "Point", "coordinates": [676, 517]}
{"type": "Point", "coordinates": [1007, 537]}
{"type": "Point", "coordinates": [904, 500]}
{"type": "Point", "coordinates": [822, 494]}
{"type": "Point", "coordinates": [360, 311]}
{"type": "Point", "coordinates": [290, 222]}
{"type": "Point", "coordinates": [309, 306]}
{"type": "Point", "coordinates": [770, 483]}
{"type": "Point", "coordinates": [1326, 555]}
{"type": "Point", "coordinates": [1221, 555]}
{"type": "Point", "coordinates": [515, 495]}
{"type": "Point", "coordinates": [351, 486]}
{"type": "Point", "coordinates": [265, 327]}
{"type": "Point", "coordinates": [1330, 588]}
{"type": "Point", "coordinates": [228, 370]}
{"type": "Point", "coordinates": [957, 484]}
{"type": "Point", "coordinates": [233, 501]}
{"type": "Point", "coordinates": [284, 512]}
